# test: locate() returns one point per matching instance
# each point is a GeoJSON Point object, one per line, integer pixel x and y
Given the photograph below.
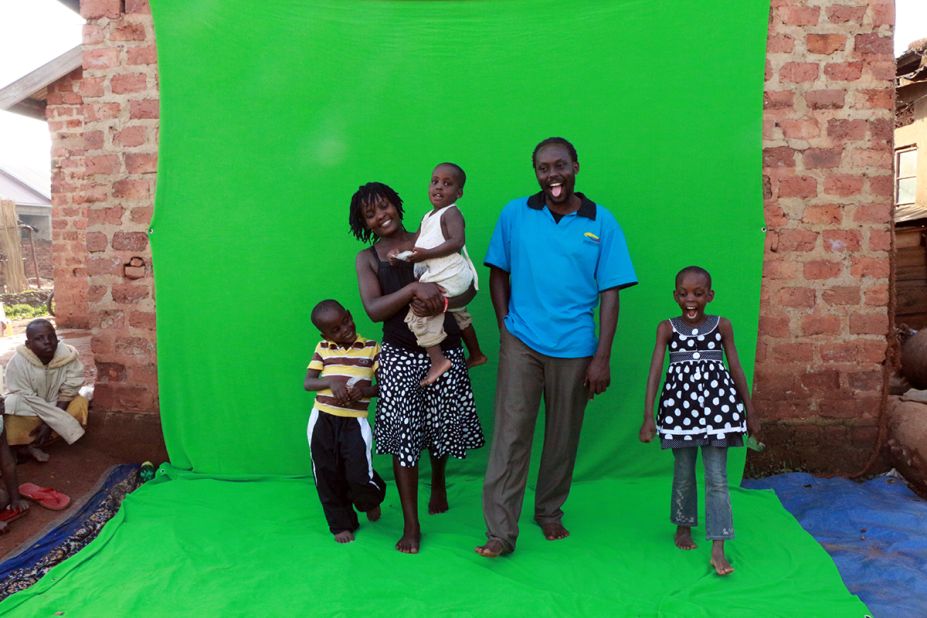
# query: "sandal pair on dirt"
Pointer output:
{"type": "Point", "coordinates": [46, 496]}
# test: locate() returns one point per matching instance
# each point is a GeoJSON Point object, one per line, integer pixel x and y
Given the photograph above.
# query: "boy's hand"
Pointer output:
{"type": "Point", "coordinates": [415, 257]}
{"type": "Point", "coordinates": [339, 388]}
{"type": "Point", "coordinates": [360, 390]}
{"type": "Point", "coordinates": [648, 430]}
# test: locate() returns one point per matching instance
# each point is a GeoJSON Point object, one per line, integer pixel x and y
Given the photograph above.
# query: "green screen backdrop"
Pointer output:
{"type": "Point", "coordinates": [272, 114]}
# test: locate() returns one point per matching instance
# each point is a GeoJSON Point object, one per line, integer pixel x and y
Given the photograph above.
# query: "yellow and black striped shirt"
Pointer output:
{"type": "Point", "coordinates": [360, 359]}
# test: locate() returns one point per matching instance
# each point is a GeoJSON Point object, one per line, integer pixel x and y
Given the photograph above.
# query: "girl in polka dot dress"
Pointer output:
{"type": "Point", "coordinates": [703, 406]}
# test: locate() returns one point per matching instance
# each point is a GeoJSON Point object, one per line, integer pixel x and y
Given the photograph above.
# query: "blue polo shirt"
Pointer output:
{"type": "Point", "coordinates": [557, 271]}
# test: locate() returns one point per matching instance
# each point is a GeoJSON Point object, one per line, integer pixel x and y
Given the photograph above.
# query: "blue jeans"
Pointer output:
{"type": "Point", "coordinates": [719, 525]}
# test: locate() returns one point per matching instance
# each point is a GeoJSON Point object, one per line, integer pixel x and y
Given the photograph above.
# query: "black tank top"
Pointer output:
{"type": "Point", "coordinates": [395, 331]}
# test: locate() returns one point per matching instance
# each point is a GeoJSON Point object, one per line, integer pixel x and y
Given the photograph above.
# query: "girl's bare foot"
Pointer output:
{"type": "Point", "coordinates": [438, 369]}
{"type": "Point", "coordinates": [374, 514]}
{"type": "Point", "coordinates": [345, 536]}
{"type": "Point", "coordinates": [554, 531]}
{"type": "Point", "coordinates": [438, 501]}
{"type": "Point", "coordinates": [719, 560]}
{"type": "Point", "coordinates": [476, 361]}
{"type": "Point", "coordinates": [410, 541]}
{"type": "Point", "coordinates": [683, 538]}
{"type": "Point", "coordinates": [493, 548]}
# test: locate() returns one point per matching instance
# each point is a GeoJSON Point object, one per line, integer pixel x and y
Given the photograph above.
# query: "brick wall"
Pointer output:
{"type": "Point", "coordinates": [120, 111]}
{"type": "Point", "coordinates": [65, 115]}
{"type": "Point", "coordinates": [827, 177]}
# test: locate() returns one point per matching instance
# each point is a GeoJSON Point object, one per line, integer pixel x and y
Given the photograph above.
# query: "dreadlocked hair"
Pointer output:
{"type": "Point", "coordinates": [554, 140]}
{"type": "Point", "coordinates": [363, 197]}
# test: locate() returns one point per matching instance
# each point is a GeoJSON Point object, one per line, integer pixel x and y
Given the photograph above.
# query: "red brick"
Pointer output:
{"type": "Point", "coordinates": [111, 372]}
{"type": "Point", "coordinates": [111, 320]}
{"type": "Point", "coordinates": [863, 438]}
{"type": "Point", "coordinates": [823, 214]}
{"type": "Point", "coordinates": [132, 189]}
{"type": "Point", "coordinates": [141, 214]}
{"type": "Point", "coordinates": [869, 157]}
{"type": "Point", "coordinates": [882, 186]}
{"type": "Point", "coordinates": [130, 241]}
{"type": "Point", "coordinates": [883, 14]}
{"type": "Point", "coordinates": [131, 136]}
{"type": "Point", "coordinates": [798, 186]}
{"type": "Point", "coordinates": [838, 241]}
{"type": "Point", "coordinates": [799, 72]}
{"type": "Point", "coordinates": [825, 43]}
{"type": "Point", "coordinates": [142, 319]}
{"type": "Point", "coordinates": [805, 128]}
{"type": "Point", "coordinates": [141, 163]}
{"type": "Point", "coordinates": [92, 87]}
{"type": "Point", "coordinates": [92, 35]}
{"type": "Point", "coordinates": [843, 71]}
{"type": "Point", "coordinates": [837, 408]}
{"type": "Point", "coordinates": [147, 108]}
{"type": "Point", "coordinates": [106, 216]}
{"type": "Point", "coordinates": [863, 381]}
{"type": "Point", "coordinates": [95, 293]}
{"type": "Point", "coordinates": [774, 268]}
{"type": "Point", "coordinates": [872, 43]}
{"type": "Point", "coordinates": [101, 111]}
{"type": "Point", "coordinates": [882, 130]}
{"type": "Point", "coordinates": [778, 99]}
{"type": "Point", "coordinates": [797, 240]}
{"type": "Point", "coordinates": [781, 156]}
{"type": "Point", "coordinates": [876, 295]}
{"type": "Point", "coordinates": [96, 9]}
{"type": "Point", "coordinates": [796, 297]}
{"type": "Point", "coordinates": [822, 158]}
{"type": "Point", "coordinates": [799, 352]}
{"type": "Point", "coordinates": [841, 295]}
{"type": "Point", "coordinates": [129, 293]}
{"type": "Point", "coordinates": [878, 98]}
{"type": "Point", "coordinates": [128, 83]}
{"type": "Point", "coordinates": [136, 56]}
{"type": "Point", "coordinates": [134, 346]}
{"type": "Point", "coordinates": [105, 165]}
{"type": "Point", "coordinates": [774, 327]}
{"type": "Point", "coordinates": [93, 140]}
{"type": "Point", "coordinates": [101, 58]}
{"type": "Point", "coordinates": [128, 31]}
{"type": "Point", "coordinates": [872, 323]}
{"type": "Point", "coordinates": [841, 129]}
{"type": "Point", "coordinates": [96, 242]}
{"type": "Point", "coordinates": [843, 185]}
{"type": "Point", "coordinates": [822, 269]}
{"type": "Point", "coordinates": [799, 15]}
{"type": "Point", "coordinates": [877, 268]}
{"type": "Point", "coordinates": [841, 14]}
{"type": "Point", "coordinates": [825, 99]}
{"type": "Point", "coordinates": [780, 44]}
{"type": "Point", "coordinates": [138, 6]}
{"type": "Point", "coordinates": [103, 265]}
{"type": "Point", "coordinates": [813, 324]}
{"type": "Point", "coordinates": [880, 240]}
{"type": "Point", "coordinates": [821, 382]}
{"type": "Point", "coordinates": [881, 71]}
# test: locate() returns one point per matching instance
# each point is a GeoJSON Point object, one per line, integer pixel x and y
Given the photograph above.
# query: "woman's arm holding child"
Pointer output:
{"type": "Point", "coordinates": [452, 224]}
{"type": "Point", "coordinates": [381, 306]}
{"type": "Point", "coordinates": [737, 373]}
{"type": "Point", "coordinates": [648, 427]}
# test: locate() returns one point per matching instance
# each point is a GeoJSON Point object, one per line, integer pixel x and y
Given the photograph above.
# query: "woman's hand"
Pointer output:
{"type": "Point", "coordinates": [427, 299]}
{"type": "Point", "coordinates": [648, 429]}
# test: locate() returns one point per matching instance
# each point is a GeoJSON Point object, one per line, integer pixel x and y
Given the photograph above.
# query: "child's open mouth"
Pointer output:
{"type": "Point", "coordinates": [691, 312]}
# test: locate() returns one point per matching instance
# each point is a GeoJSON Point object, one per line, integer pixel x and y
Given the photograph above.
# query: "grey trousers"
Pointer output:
{"type": "Point", "coordinates": [524, 375]}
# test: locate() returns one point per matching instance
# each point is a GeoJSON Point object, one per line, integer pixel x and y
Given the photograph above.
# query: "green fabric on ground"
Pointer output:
{"type": "Point", "coordinates": [271, 115]}
{"type": "Point", "coordinates": [206, 547]}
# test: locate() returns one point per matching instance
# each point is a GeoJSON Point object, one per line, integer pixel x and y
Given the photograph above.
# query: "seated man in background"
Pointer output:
{"type": "Point", "coordinates": [40, 392]}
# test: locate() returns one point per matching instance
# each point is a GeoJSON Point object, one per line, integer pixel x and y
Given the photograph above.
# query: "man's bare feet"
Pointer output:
{"type": "Point", "coordinates": [374, 514]}
{"type": "Point", "coordinates": [410, 541]}
{"type": "Point", "coordinates": [476, 361]}
{"type": "Point", "coordinates": [437, 370]}
{"type": "Point", "coordinates": [438, 501]}
{"type": "Point", "coordinates": [345, 536]}
{"type": "Point", "coordinates": [554, 531]}
{"type": "Point", "coordinates": [719, 560]}
{"type": "Point", "coordinates": [37, 454]}
{"type": "Point", "coordinates": [683, 538]}
{"type": "Point", "coordinates": [493, 548]}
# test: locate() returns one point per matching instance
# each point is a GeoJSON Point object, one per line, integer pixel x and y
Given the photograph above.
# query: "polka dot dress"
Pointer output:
{"type": "Point", "coordinates": [699, 405]}
{"type": "Point", "coordinates": [411, 418]}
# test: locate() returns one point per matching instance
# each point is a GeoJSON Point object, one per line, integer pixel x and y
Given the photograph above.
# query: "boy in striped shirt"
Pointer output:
{"type": "Point", "coordinates": [341, 373]}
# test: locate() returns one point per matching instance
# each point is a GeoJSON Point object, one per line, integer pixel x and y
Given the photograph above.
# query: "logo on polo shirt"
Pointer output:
{"type": "Point", "coordinates": [591, 236]}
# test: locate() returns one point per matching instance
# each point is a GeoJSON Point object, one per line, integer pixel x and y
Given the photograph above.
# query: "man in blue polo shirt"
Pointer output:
{"type": "Point", "coordinates": [553, 257]}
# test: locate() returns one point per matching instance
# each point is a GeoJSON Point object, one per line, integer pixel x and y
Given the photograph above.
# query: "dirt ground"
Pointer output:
{"type": "Point", "coordinates": [72, 469]}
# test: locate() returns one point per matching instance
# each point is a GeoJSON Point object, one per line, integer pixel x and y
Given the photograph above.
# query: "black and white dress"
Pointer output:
{"type": "Point", "coordinates": [699, 405]}
{"type": "Point", "coordinates": [440, 418]}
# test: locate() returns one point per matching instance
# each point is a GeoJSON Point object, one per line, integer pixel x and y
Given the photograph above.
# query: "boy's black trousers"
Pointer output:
{"type": "Point", "coordinates": [340, 448]}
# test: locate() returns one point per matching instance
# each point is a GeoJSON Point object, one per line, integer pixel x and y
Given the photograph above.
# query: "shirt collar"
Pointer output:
{"type": "Point", "coordinates": [358, 343]}
{"type": "Point", "coordinates": [586, 206]}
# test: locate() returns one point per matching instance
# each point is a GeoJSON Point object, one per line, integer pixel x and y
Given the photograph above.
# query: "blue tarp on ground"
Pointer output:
{"type": "Point", "coordinates": [875, 531]}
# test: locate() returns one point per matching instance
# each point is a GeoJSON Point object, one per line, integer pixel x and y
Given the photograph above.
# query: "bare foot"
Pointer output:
{"type": "Point", "coordinates": [438, 502]}
{"type": "Point", "coordinates": [345, 536]}
{"type": "Point", "coordinates": [719, 560]}
{"type": "Point", "coordinates": [476, 361]}
{"type": "Point", "coordinates": [4, 528]}
{"type": "Point", "coordinates": [493, 548]}
{"type": "Point", "coordinates": [37, 454]}
{"type": "Point", "coordinates": [374, 514]}
{"type": "Point", "coordinates": [410, 541]}
{"type": "Point", "coordinates": [554, 531]}
{"type": "Point", "coordinates": [437, 370]}
{"type": "Point", "coordinates": [683, 538]}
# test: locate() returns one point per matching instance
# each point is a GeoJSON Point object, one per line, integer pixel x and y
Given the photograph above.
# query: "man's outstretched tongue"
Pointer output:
{"type": "Point", "coordinates": [556, 190]}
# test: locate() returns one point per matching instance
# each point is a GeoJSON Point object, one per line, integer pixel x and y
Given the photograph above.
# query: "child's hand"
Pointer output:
{"type": "Point", "coordinates": [648, 430]}
{"type": "Point", "coordinates": [415, 257]}
{"type": "Point", "coordinates": [360, 390]}
{"type": "Point", "coordinates": [753, 425]}
{"type": "Point", "coordinates": [339, 388]}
